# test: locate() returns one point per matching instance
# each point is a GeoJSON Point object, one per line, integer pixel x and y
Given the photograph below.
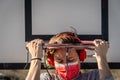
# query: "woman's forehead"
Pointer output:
{"type": "Point", "coordinates": [63, 51]}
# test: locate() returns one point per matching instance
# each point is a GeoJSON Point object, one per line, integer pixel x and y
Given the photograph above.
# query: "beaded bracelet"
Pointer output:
{"type": "Point", "coordinates": [36, 59]}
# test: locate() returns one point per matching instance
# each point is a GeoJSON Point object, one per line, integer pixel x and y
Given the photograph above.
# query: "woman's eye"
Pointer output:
{"type": "Point", "coordinates": [59, 60]}
{"type": "Point", "coordinates": [71, 60]}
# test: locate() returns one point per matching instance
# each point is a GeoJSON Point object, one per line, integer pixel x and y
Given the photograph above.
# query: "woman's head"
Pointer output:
{"type": "Point", "coordinates": [59, 55]}
{"type": "Point", "coordinates": [67, 66]}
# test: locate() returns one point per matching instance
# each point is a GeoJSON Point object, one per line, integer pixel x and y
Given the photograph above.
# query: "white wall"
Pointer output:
{"type": "Point", "coordinates": [59, 15]}
{"type": "Point", "coordinates": [12, 31]}
{"type": "Point", "coordinates": [114, 30]}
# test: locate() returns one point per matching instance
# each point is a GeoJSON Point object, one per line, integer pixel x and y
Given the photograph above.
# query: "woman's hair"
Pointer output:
{"type": "Point", "coordinates": [61, 38]}
{"type": "Point", "coordinates": [64, 37]}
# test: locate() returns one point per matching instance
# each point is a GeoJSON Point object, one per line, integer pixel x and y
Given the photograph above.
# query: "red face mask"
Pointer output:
{"type": "Point", "coordinates": [68, 71]}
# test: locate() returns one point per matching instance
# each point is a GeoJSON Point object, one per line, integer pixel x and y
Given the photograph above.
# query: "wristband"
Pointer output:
{"type": "Point", "coordinates": [36, 59]}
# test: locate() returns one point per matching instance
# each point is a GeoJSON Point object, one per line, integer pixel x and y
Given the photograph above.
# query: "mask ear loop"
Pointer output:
{"type": "Point", "coordinates": [67, 61]}
{"type": "Point", "coordinates": [44, 58]}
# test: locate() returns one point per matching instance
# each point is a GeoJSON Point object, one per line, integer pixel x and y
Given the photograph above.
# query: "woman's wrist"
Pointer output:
{"type": "Point", "coordinates": [36, 58]}
{"type": "Point", "coordinates": [101, 57]}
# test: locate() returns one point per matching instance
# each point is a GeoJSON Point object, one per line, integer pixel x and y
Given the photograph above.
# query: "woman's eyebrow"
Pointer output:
{"type": "Point", "coordinates": [58, 57]}
{"type": "Point", "coordinates": [70, 57]}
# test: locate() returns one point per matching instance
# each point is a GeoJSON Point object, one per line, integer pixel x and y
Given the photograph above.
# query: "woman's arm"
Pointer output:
{"type": "Point", "coordinates": [34, 71]}
{"type": "Point", "coordinates": [101, 48]}
{"type": "Point", "coordinates": [34, 48]}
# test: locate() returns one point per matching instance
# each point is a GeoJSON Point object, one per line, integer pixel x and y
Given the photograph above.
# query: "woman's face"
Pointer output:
{"type": "Point", "coordinates": [60, 56]}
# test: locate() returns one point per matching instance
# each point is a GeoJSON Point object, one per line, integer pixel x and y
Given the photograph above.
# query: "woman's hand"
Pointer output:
{"type": "Point", "coordinates": [35, 48]}
{"type": "Point", "coordinates": [101, 48]}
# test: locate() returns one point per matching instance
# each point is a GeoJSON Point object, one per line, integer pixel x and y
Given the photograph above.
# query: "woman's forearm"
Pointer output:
{"type": "Point", "coordinates": [34, 71]}
{"type": "Point", "coordinates": [103, 67]}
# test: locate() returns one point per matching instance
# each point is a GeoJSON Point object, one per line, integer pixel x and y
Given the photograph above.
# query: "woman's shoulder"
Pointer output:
{"type": "Point", "coordinates": [49, 76]}
{"type": "Point", "coordinates": [88, 75]}
{"type": "Point", "coordinates": [91, 75]}
{"type": "Point", "coordinates": [45, 76]}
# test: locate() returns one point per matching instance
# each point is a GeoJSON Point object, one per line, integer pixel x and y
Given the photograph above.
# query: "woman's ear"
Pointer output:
{"type": "Point", "coordinates": [50, 59]}
{"type": "Point", "coordinates": [82, 55]}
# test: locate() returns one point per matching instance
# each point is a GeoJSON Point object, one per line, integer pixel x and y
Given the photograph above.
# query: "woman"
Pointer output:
{"type": "Point", "coordinates": [67, 60]}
